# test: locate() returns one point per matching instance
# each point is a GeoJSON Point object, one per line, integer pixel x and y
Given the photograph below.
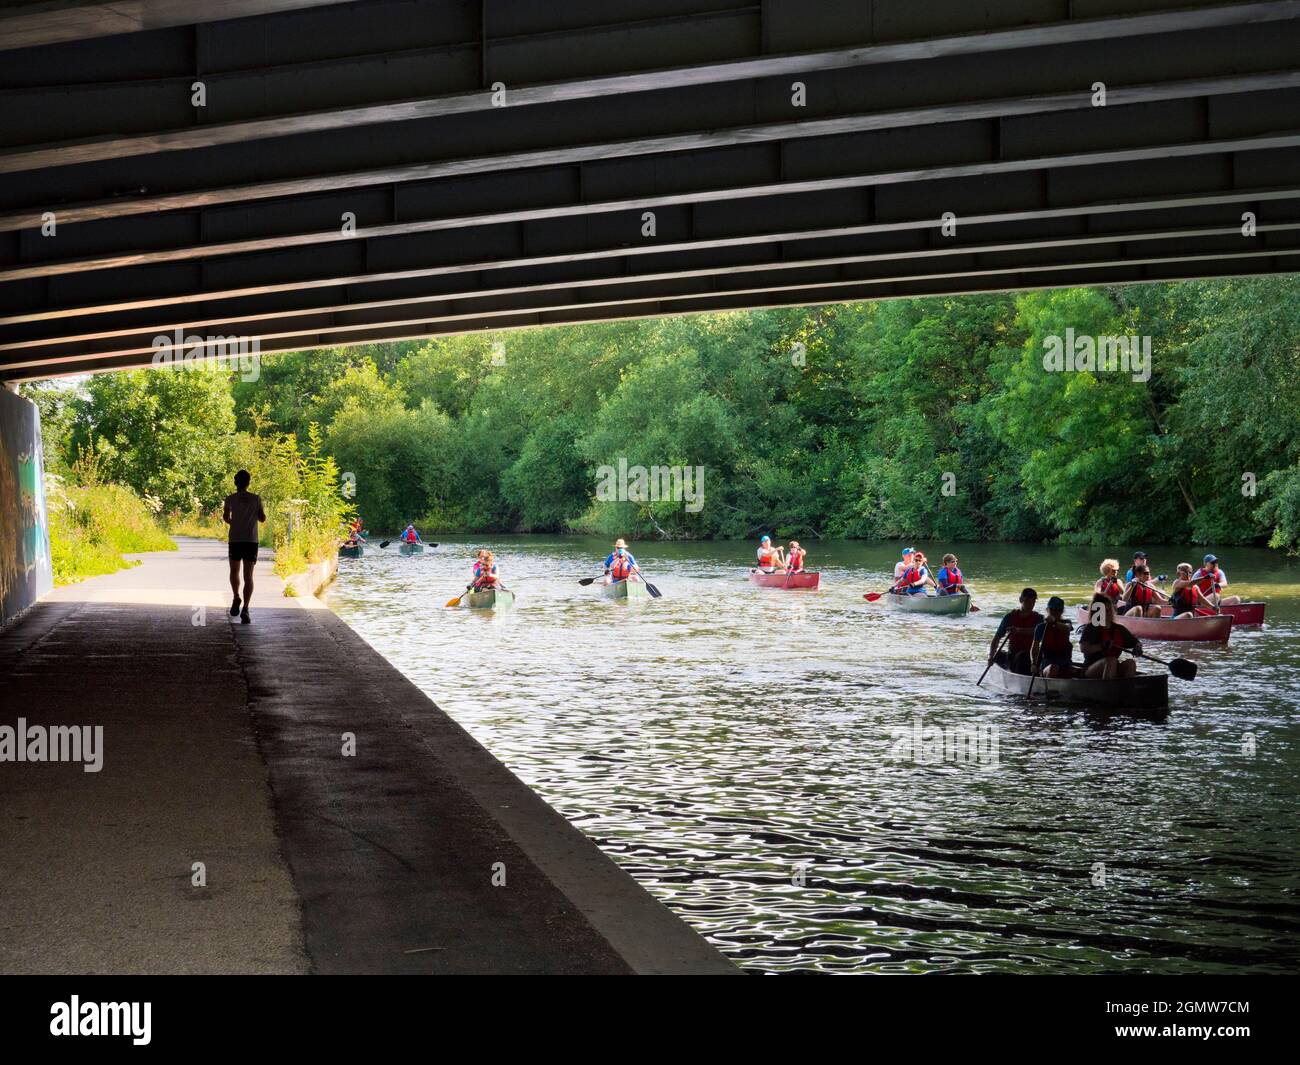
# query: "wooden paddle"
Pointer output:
{"type": "Point", "coordinates": [456, 601]}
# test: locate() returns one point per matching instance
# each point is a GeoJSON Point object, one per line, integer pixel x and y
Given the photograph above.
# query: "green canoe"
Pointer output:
{"type": "Point", "coordinates": [355, 551]}
{"type": "Point", "coordinates": [955, 605]}
{"type": "Point", "coordinates": [491, 599]}
{"type": "Point", "coordinates": [411, 549]}
{"type": "Point", "coordinates": [624, 590]}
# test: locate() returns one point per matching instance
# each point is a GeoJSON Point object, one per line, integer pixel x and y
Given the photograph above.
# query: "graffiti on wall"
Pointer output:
{"type": "Point", "coordinates": [25, 572]}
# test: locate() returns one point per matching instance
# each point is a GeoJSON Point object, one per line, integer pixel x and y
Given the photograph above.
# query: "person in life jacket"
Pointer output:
{"type": "Point", "coordinates": [1102, 641]}
{"type": "Point", "coordinates": [949, 579]}
{"type": "Point", "coordinates": [1142, 599]}
{"type": "Point", "coordinates": [1212, 580]}
{"type": "Point", "coordinates": [1110, 585]}
{"type": "Point", "coordinates": [484, 558]}
{"type": "Point", "coordinates": [620, 565]}
{"type": "Point", "coordinates": [769, 557]}
{"type": "Point", "coordinates": [794, 557]}
{"type": "Point", "coordinates": [410, 536]}
{"type": "Point", "coordinates": [915, 577]}
{"type": "Point", "coordinates": [1052, 652]}
{"type": "Point", "coordinates": [1018, 628]}
{"type": "Point", "coordinates": [900, 568]}
{"type": "Point", "coordinates": [354, 533]}
{"type": "Point", "coordinates": [485, 573]}
{"type": "Point", "coordinates": [1186, 598]}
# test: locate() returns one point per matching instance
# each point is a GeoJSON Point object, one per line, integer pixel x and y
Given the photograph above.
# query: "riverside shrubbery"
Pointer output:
{"type": "Point", "coordinates": [92, 526]}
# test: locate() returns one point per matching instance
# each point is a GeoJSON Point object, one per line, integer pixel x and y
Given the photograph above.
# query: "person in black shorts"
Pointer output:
{"type": "Point", "coordinates": [242, 511]}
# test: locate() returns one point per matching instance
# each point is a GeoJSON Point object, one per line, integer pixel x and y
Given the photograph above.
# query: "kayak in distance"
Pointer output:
{"type": "Point", "coordinates": [411, 549]}
{"type": "Point", "coordinates": [951, 605]}
{"type": "Point", "coordinates": [1144, 692]}
{"type": "Point", "coordinates": [627, 589]}
{"type": "Point", "coordinates": [1215, 628]}
{"type": "Point", "coordinates": [488, 599]}
{"type": "Point", "coordinates": [351, 551]}
{"type": "Point", "coordinates": [799, 579]}
{"type": "Point", "coordinates": [1241, 613]}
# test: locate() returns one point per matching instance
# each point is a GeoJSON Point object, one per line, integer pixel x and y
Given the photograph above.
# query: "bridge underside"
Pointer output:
{"type": "Point", "coordinates": [510, 164]}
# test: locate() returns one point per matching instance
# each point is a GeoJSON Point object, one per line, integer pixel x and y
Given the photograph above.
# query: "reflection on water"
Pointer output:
{"type": "Point", "coordinates": [737, 750]}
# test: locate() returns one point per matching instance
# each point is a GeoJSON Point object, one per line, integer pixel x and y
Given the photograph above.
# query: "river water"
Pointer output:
{"type": "Point", "coordinates": [748, 755]}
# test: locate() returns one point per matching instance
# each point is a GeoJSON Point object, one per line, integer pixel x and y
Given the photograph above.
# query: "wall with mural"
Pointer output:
{"type": "Point", "coordinates": [25, 573]}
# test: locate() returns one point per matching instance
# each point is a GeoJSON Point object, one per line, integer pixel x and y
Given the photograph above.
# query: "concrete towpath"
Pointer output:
{"type": "Point", "coordinates": [277, 798]}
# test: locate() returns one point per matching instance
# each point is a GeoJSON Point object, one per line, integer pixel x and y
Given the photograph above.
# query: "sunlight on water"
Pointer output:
{"type": "Point", "coordinates": [737, 751]}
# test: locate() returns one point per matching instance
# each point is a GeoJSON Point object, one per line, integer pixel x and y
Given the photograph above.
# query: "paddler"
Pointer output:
{"type": "Point", "coordinates": [1109, 584]}
{"type": "Point", "coordinates": [794, 557]}
{"type": "Point", "coordinates": [410, 536]}
{"type": "Point", "coordinates": [1018, 627]}
{"type": "Point", "coordinates": [1141, 599]}
{"type": "Point", "coordinates": [769, 557]}
{"type": "Point", "coordinates": [485, 572]}
{"type": "Point", "coordinates": [1052, 653]}
{"type": "Point", "coordinates": [949, 579]}
{"type": "Point", "coordinates": [914, 578]}
{"type": "Point", "coordinates": [620, 565]}
{"type": "Point", "coordinates": [1187, 600]}
{"type": "Point", "coordinates": [1103, 641]}
{"type": "Point", "coordinates": [1212, 580]}
{"type": "Point", "coordinates": [901, 567]}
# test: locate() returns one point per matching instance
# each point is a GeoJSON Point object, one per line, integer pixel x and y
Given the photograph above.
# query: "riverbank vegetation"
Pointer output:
{"type": "Point", "coordinates": [93, 524]}
{"type": "Point", "coordinates": [931, 418]}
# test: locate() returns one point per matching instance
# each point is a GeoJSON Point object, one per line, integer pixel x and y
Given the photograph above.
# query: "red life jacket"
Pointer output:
{"type": "Point", "coordinates": [1143, 595]}
{"type": "Point", "coordinates": [1022, 629]}
{"type": "Point", "coordinates": [1112, 645]}
{"type": "Point", "coordinates": [1111, 588]}
{"type": "Point", "coordinates": [909, 577]}
{"type": "Point", "coordinates": [955, 579]}
{"type": "Point", "coordinates": [620, 567]}
{"type": "Point", "coordinates": [766, 557]}
{"type": "Point", "coordinates": [1206, 583]}
{"type": "Point", "coordinates": [1056, 639]}
{"type": "Point", "coordinates": [796, 560]}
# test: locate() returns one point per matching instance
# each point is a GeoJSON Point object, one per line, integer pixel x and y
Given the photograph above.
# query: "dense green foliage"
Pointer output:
{"type": "Point", "coordinates": [929, 418]}
{"type": "Point", "coordinates": [171, 438]}
{"type": "Point", "coordinates": [92, 525]}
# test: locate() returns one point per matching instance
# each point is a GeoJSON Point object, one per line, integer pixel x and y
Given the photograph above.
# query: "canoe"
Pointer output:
{"type": "Point", "coordinates": [488, 599]}
{"type": "Point", "coordinates": [1215, 629]}
{"type": "Point", "coordinates": [355, 551]}
{"type": "Point", "coordinates": [1146, 691]}
{"type": "Point", "coordinates": [955, 605]}
{"type": "Point", "coordinates": [411, 549]}
{"type": "Point", "coordinates": [1241, 614]}
{"type": "Point", "coordinates": [624, 590]}
{"type": "Point", "coordinates": [802, 579]}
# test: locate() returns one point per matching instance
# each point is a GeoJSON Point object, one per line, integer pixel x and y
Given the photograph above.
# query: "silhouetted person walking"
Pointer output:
{"type": "Point", "coordinates": [242, 512]}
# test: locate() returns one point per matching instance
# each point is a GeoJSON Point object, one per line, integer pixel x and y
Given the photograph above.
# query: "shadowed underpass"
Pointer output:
{"type": "Point", "coordinates": [223, 745]}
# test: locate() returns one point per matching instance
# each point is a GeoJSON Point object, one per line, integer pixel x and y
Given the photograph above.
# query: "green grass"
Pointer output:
{"type": "Point", "coordinates": [91, 529]}
{"type": "Point", "coordinates": [206, 526]}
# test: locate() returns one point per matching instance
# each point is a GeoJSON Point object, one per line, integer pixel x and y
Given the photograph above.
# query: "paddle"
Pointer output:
{"type": "Point", "coordinates": [456, 601]}
{"type": "Point", "coordinates": [1182, 668]}
{"type": "Point", "coordinates": [588, 580]}
{"type": "Point", "coordinates": [385, 543]}
{"type": "Point", "coordinates": [994, 658]}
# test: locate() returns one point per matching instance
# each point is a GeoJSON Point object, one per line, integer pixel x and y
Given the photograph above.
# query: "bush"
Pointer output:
{"type": "Point", "coordinates": [93, 526]}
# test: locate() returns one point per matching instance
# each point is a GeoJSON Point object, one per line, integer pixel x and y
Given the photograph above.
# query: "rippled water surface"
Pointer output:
{"type": "Point", "coordinates": [745, 754]}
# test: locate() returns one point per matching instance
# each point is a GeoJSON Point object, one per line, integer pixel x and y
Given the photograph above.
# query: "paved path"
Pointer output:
{"type": "Point", "coordinates": [223, 744]}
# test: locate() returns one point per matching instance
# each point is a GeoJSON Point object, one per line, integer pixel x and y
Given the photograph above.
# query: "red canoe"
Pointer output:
{"type": "Point", "coordinates": [802, 579]}
{"type": "Point", "coordinates": [1215, 629]}
{"type": "Point", "coordinates": [1241, 614]}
